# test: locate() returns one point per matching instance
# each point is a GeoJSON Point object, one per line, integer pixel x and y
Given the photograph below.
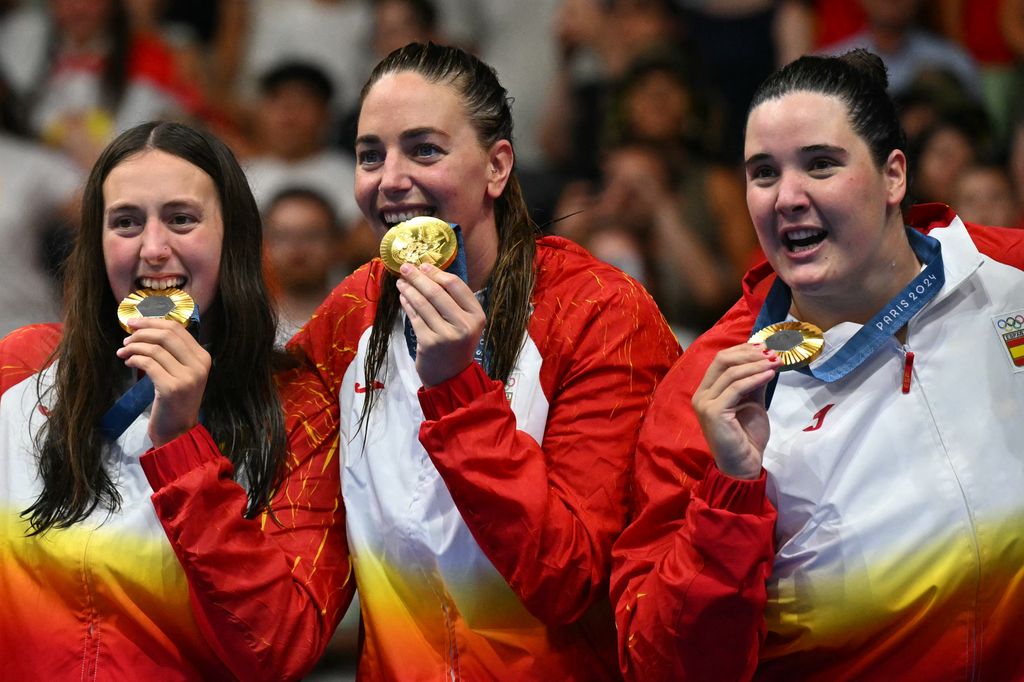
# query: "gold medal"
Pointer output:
{"type": "Point", "coordinates": [170, 304]}
{"type": "Point", "coordinates": [419, 240]}
{"type": "Point", "coordinates": [796, 343]}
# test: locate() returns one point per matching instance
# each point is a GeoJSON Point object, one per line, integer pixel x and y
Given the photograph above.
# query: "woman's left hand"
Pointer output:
{"type": "Point", "coordinates": [446, 317]}
{"type": "Point", "coordinates": [178, 367]}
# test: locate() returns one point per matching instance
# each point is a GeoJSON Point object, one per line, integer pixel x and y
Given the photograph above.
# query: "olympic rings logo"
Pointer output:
{"type": "Point", "coordinates": [1012, 322]}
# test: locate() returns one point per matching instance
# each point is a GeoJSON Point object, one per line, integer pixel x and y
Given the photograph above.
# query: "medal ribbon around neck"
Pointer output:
{"type": "Point", "coordinates": [457, 267]}
{"type": "Point", "coordinates": [890, 319]}
{"type": "Point", "coordinates": [136, 399]}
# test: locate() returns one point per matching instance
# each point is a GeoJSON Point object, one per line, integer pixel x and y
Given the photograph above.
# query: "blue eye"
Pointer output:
{"type": "Point", "coordinates": [368, 157]}
{"type": "Point", "coordinates": [426, 150]}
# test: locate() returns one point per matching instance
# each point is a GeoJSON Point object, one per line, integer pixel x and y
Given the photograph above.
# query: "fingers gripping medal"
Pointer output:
{"type": "Point", "coordinates": [170, 304]}
{"type": "Point", "coordinates": [796, 343]}
{"type": "Point", "coordinates": [419, 240]}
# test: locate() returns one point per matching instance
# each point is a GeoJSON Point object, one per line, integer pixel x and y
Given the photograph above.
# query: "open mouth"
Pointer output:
{"type": "Point", "coordinates": [803, 240]}
{"type": "Point", "coordinates": [160, 283]}
{"type": "Point", "coordinates": [392, 218]}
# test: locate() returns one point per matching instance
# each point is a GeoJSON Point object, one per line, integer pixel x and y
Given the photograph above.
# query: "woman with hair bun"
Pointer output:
{"type": "Point", "coordinates": [858, 518]}
{"type": "Point", "coordinates": [487, 423]}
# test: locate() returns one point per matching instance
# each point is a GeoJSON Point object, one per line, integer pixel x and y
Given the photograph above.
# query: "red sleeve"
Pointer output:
{"type": "Point", "coordinates": [688, 579]}
{"type": "Point", "coordinates": [267, 592]}
{"type": "Point", "coordinates": [546, 514]}
{"type": "Point", "coordinates": [25, 351]}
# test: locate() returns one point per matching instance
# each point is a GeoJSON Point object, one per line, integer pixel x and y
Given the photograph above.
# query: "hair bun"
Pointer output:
{"type": "Point", "coordinates": [869, 64]}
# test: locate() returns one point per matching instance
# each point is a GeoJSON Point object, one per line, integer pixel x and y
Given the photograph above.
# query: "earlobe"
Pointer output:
{"type": "Point", "coordinates": [500, 161]}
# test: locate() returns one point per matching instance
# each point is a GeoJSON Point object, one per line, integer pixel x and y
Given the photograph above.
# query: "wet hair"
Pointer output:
{"type": "Point", "coordinates": [305, 74]}
{"type": "Point", "coordinates": [487, 106]}
{"type": "Point", "coordinates": [858, 79]}
{"type": "Point", "coordinates": [240, 407]}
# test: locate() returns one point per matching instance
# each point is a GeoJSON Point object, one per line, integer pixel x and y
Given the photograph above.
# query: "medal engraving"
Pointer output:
{"type": "Point", "coordinates": [419, 240]}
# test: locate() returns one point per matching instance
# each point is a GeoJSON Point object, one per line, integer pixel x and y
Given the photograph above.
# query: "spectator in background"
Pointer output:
{"type": "Point", "coordinates": [992, 32]}
{"type": "Point", "coordinates": [941, 153]}
{"type": "Point", "coordinates": [597, 41]}
{"type": "Point", "coordinates": [292, 121]}
{"type": "Point", "coordinates": [983, 193]}
{"type": "Point", "coordinates": [332, 34]}
{"type": "Point", "coordinates": [894, 33]}
{"type": "Point", "coordinates": [85, 74]}
{"type": "Point", "coordinates": [305, 252]}
{"type": "Point", "coordinates": [38, 187]}
{"type": "Point", "coordinates": [663, 193]}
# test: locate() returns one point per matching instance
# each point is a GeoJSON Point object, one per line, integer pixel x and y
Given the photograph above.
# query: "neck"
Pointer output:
{"type": "Point", "coordinates": [481, 254]}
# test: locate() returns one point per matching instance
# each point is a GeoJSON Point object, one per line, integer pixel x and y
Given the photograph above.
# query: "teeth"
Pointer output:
{"type": "Point", "coordinates": [163, 283]}
{"type": "Point", "coordinates": [395, 217]}
{"type": "Point", "coordinates": [802, 234]}
{"type": "Point", "coordinates": [803, 239]}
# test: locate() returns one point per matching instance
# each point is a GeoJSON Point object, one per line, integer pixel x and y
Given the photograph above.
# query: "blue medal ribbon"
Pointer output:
{"type": "Point", "coordinates": [459, 268]}
{"type": "Point", "coordinates": [886, 322]}
{"type": "Point", "coordinates": [136, 399]}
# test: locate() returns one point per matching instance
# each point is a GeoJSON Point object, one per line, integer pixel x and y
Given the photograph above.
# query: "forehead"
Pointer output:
{"type": "Point", "coordinates": [798, 119]}
{"type": "Point", "coordinates": [406, 101]}
{"type": "Point", "coordinates": [156, 174]}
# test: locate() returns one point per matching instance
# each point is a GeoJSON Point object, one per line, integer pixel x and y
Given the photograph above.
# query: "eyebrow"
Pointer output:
{"type": "Point", "coordinates": [808, 149]}
{"type": "Point", "coordinates": [406, 135]}
{"type": "Point", "coordinates": [173, 205]}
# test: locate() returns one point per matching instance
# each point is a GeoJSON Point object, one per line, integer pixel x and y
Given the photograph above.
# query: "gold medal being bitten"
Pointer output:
{"type": "Point", "coordinates": [419, 240]}
{"type": "Point", "coordinates": [796, 343]}
{"type": "Point", "coordinates": [170, 304]}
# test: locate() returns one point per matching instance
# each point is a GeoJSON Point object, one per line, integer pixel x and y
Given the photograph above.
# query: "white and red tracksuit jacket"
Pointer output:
{"type": "Point", "coordinates": [176, 584]}
{"type": "Point", "coordinates": [480, 516]}
{"type": "Point", "coordinates": [885, 538]}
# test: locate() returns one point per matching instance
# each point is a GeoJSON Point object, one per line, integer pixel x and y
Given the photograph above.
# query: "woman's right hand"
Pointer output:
{"type": "Point", "coordinates": [730, 407]}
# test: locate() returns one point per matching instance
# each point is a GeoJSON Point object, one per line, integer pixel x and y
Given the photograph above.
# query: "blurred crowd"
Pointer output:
{"type": "Point", "coordinates": [628, 118]}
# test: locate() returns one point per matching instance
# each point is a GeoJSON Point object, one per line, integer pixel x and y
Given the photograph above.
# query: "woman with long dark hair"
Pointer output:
{"type": "Point", "coordinates": [859, 517]}
{"type": "Point", "coordinates": [487, 423]}
{"type": "Point", "coordinates": [174, 540]}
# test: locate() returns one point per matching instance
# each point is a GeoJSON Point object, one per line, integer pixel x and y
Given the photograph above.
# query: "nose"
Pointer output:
{"type": "Point", "coordinates": [155, 246]}
{"type": "Point", "coordinates": [792, 193]}
{"type": "Point", "coordinates": [395, 178]}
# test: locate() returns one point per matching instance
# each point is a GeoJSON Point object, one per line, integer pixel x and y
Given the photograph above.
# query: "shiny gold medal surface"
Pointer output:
{"type": "Point", "coordinates": [170, 304]}
{"type": "Point", "coordinates": [796, 343]}
{"type": "Point", "coordinates": [419, 240]}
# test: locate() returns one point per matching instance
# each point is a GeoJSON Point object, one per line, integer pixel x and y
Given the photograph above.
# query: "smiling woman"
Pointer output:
{"type": "Point", "coordinates": [165, 536]}
{"type": "Point", "coordinates": [487, 425]}
{"type": "Point", "coordinates": [858, 518]}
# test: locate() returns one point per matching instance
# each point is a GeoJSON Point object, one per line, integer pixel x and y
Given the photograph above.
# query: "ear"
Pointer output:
{"type": "Point", "coordinates": [500, 159]}
{"type": "Point", "coordinates": [895, 172]}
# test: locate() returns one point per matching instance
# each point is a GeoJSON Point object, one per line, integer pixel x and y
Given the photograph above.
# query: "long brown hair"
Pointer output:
{"type": "Point", "coordinates": [240, 406]}
{"type": "Point", "coordinates": [486, 104]}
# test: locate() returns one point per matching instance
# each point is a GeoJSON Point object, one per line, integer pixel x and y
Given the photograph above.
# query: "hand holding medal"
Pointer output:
{"type": "Point", "coordinates": [445, 319]}
{"type": "Point", "coordinates": [176, 367]}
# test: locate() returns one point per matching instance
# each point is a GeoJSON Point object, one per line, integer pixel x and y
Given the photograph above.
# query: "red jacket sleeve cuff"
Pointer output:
{"type": "Point", "coordinates": [460, 390]}
{"type": "Point", "coordinates": [735, 495]}
{"type": "Point", "coordinates": [189, 451]}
